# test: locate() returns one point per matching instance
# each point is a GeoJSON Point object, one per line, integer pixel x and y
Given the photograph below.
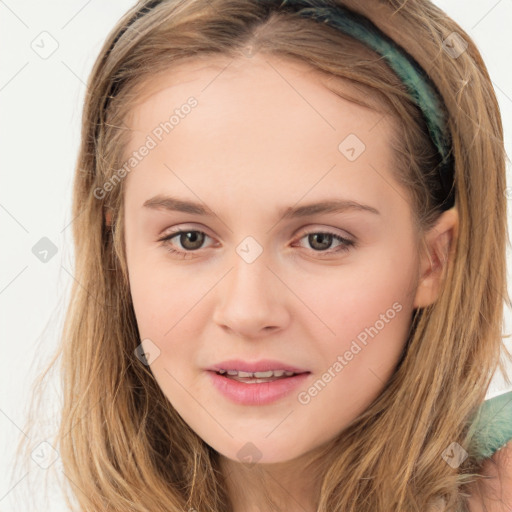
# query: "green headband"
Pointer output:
{"type": "Point", "coordinates": [420, 86]}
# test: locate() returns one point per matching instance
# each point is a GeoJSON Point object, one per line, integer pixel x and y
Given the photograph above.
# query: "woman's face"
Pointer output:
{"type": "Point", "coordinates": [260, 274]}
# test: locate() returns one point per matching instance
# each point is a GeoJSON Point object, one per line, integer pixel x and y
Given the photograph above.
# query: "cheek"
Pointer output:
{"type": "Point", "coordinates": [162, 291]}
{"type": "Point", "coordinates": [168, 311]}
{"type": "Point", "coordinates": [363, 315]}
{"type": "Point", "coordinates": [365, 303]}
{"type": "Point", "coordinates": [350, 297]}
{"type": "Point", "coordinates": [164, 300]}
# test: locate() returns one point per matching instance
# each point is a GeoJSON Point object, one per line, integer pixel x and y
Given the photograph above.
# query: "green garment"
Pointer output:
{"type": "Point", "coordinates": [493, 424]}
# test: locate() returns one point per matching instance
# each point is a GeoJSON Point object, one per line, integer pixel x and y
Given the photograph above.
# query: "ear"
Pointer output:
{"type": "Point", "coordinates": [439, 245]}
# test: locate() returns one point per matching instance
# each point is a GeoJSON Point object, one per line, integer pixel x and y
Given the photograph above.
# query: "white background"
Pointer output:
{"type": "Point", "coordinates": [41, 102]}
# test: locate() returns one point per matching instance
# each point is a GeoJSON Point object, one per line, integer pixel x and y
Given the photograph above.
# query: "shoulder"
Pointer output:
{"type": "Point", "coordinates": [497, 488]}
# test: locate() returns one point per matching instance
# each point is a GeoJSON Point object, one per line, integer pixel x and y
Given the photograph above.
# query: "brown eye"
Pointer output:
{"type": "Point", "coordinates": [191, 240]}
{"type": "Point", "coordinates": [322, 242]}
{"type": "Point", "coordinates": [188, 242]}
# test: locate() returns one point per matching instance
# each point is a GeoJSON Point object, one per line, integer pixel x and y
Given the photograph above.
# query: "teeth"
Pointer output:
{"type": "Point", "coordinates": [246, 374]}
{"type": "Point", "coordinates": [258, 375]}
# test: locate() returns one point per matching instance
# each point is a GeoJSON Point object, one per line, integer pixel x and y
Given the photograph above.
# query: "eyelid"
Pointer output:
{"type": "Point", "coordinates": [174, 232]}
{"type": "Point", "coordinates": [183, 227]}
{"type": "Point", "coordinates": [329, 230]}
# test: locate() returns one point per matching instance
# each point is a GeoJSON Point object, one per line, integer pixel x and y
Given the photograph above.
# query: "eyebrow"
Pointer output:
{"type": "Point", "coordinates": [163, 202]}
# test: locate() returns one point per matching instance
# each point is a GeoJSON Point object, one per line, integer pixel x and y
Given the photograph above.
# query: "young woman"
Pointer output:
{"type": "Point", "coordinates": [290, 229]}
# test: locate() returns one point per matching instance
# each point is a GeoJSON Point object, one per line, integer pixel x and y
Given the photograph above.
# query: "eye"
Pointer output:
{"type": "Point", "coordinates": [321, 241]}
{"type": "Point", "coordinates": [190, 240]}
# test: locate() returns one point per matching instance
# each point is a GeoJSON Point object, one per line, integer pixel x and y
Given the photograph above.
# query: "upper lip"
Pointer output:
{"type": "Point", "coordinates": [258, 366]}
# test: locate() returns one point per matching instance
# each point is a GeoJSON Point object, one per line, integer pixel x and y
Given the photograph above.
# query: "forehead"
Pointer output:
{"type": "Point", "coordinates": [263, 122]}
{"type": "Point", "coordinates": [191, 68]}
{"type": "Point", "coordinates": [261, 75]}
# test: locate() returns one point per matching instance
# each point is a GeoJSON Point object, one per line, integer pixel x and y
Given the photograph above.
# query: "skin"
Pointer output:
{"type": "Point", "coordinates": [497, 489]}
{"type": "Point", "coordinates": [264, 136]}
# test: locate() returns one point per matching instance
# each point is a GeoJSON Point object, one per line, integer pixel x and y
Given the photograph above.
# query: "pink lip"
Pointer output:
{"type": "Point", "coordinates": [259, 393]}
{"type": "Point", "coordinates": [258, 366]}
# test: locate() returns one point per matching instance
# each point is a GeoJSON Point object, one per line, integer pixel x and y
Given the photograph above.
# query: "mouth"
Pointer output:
{"type": "Point", "coordinates": [257, 377]}
{"type": "Point", "coordinates": [257, 388]}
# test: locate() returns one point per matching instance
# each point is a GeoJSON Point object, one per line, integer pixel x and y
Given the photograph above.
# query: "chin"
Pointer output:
{"type": "Point", "coordinates": [259, 452]}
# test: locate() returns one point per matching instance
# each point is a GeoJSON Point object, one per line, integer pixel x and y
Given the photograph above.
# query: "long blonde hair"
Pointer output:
{"type": "Point", "coordinates": [122, 444]}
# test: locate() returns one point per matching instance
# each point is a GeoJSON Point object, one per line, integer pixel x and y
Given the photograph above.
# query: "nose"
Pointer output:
{"type": "Point", "coordinates": [252, 300]}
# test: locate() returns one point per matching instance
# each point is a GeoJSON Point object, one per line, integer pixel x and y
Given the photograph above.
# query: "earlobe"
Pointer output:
{"type": "Point", "coordinates": [439, 245]}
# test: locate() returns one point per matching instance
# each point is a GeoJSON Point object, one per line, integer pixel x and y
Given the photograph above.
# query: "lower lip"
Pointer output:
{"type": "Point", "coordinates": [261, 393]}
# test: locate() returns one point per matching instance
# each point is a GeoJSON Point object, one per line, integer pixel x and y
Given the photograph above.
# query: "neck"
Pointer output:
{"type": "Point", "coordinates": [291, 486]}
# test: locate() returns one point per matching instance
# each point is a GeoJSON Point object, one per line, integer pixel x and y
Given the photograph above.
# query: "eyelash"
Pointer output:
{"type": "Point", "coordinates": [345, 247]}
